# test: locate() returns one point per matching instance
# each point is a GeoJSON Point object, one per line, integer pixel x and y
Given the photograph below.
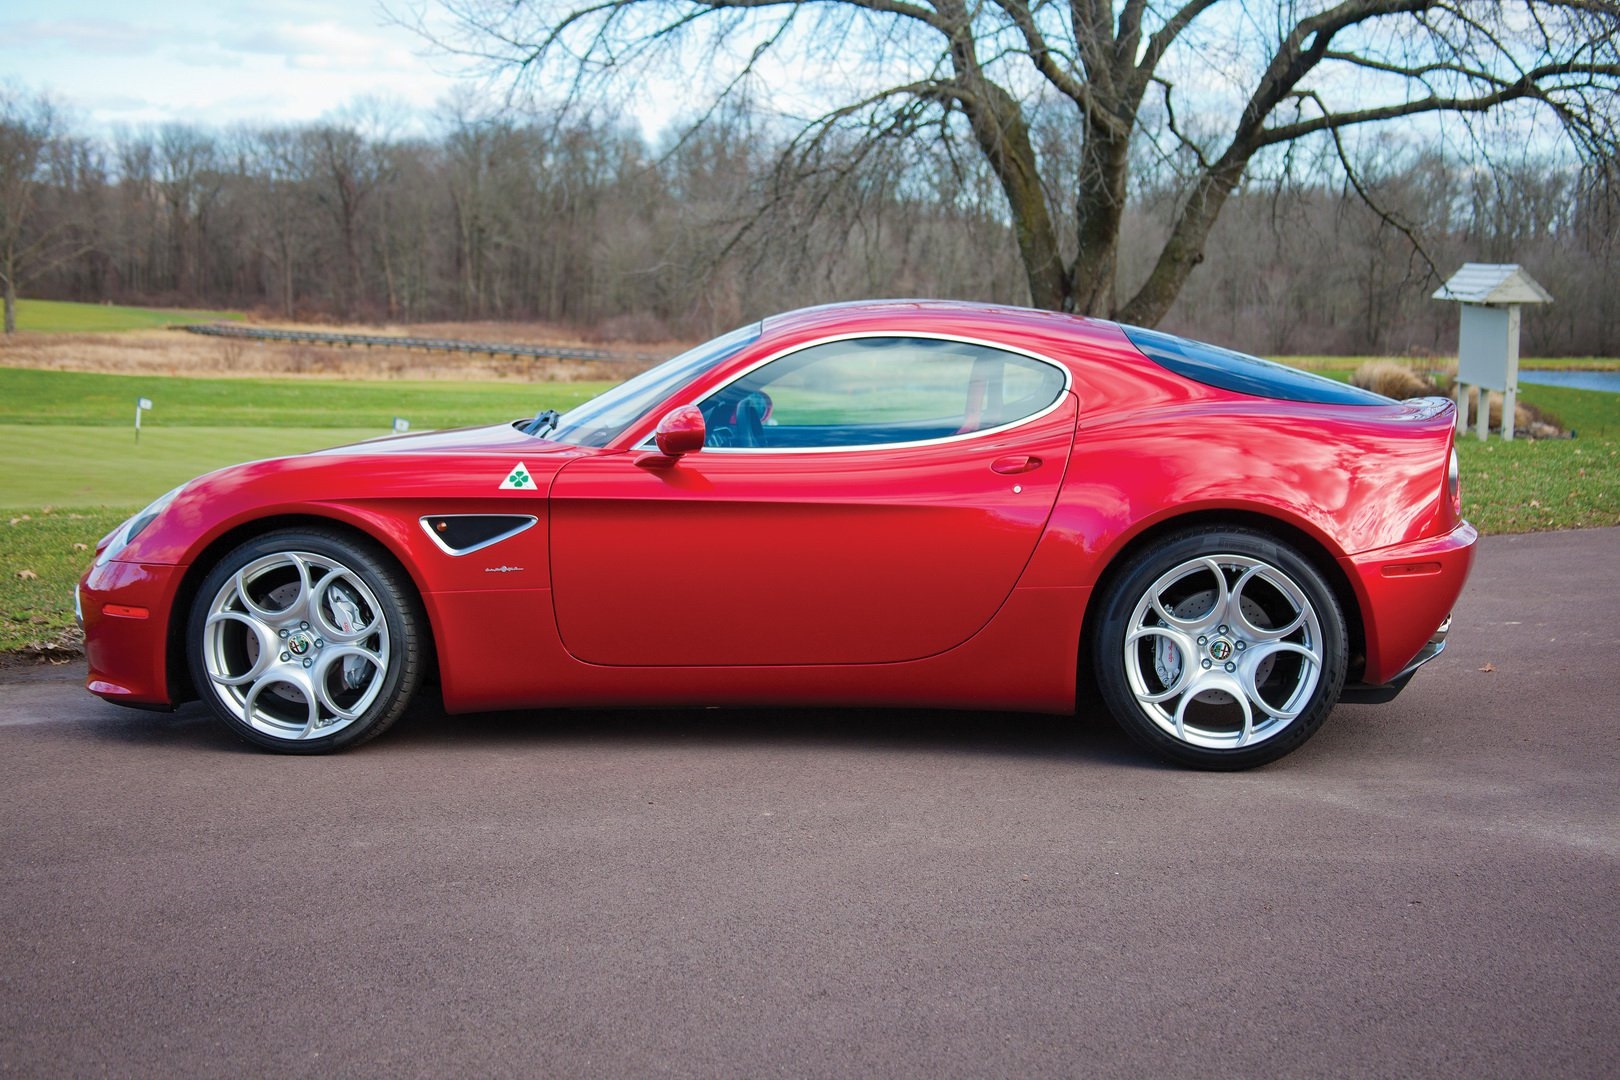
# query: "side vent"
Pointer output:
{"type": "Point", "coordinates": [462, 534]}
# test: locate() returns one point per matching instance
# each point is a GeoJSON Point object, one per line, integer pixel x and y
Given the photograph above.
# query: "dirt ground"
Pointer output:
{"type": "Point", "coordinates": [175, 352]}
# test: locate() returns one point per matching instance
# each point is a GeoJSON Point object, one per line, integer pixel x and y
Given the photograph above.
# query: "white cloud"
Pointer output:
{"type": "Point", "coordinates": [91, 37]}
{"type": "Point", "coordinates": [225, 62]}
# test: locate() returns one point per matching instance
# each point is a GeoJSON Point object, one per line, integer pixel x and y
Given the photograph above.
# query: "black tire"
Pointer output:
{"type": "Point", "coordinates": [1292, 691]}
{"type": "Point", "coordinates": [352, 587]}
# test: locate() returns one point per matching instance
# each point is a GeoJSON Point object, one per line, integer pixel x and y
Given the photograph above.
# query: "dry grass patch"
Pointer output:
{"type": "Point", "coordinates": [174, 352]}
{"type": "Point", "coordinates": [1393, 380]}
{"type": "Point", "coordinates": [1401, 380]}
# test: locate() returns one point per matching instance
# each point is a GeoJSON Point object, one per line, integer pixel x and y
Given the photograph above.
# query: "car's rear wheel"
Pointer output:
{"type": "Point", "coordinates": [1220, 648]}
{"type": "Point", "coordinates": [305, 641]}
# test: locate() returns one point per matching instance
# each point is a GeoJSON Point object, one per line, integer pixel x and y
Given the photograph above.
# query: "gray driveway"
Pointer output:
{"type": "Point", "coordinates": [1431, 887]}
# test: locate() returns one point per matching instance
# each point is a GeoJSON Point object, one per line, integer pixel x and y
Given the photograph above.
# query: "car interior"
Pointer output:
{"type": "Point", "coordinates": [876, 391]}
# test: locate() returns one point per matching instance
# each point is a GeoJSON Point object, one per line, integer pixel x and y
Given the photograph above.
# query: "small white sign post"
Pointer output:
{"type": "Point", "coordinates": [401, 425]}
{"type": "Point", "coordinates": [1488, 338]}
{"type": "Point", "coordinates": [141, 405]}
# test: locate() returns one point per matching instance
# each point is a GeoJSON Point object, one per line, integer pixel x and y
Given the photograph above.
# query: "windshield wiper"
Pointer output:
{"type": "Point", "coordinates": [545, 420]}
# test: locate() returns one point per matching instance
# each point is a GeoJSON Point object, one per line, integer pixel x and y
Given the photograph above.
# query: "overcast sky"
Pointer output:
{"type": "Point", "coordinates": [220, 62]}
{"type": "Point", "coordinates": [216, 62]}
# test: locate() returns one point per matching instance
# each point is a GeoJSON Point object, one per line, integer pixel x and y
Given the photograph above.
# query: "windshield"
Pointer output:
{"type": "Point", "coordinates": [602, 419]}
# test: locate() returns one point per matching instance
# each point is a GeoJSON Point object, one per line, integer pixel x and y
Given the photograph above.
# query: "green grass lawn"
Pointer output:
{"type": "Point", "coordinates": [79, 465]}
{"type": "Point", "coordinates": [42, 555]}
{"type": "Point", "coordinates": [68, 442]}
{"type": "Point", "coordinates": [65, 397]}
{"type": "Point", "coordinates": [1531, 485]}
{"type": "Point", "coordinates": [67, 485]}
{"type": "Point", "coordinates": [64, 317]}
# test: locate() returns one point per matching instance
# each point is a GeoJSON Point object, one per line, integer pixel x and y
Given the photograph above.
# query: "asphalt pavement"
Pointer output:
{"type": "Point", "coordinates": [1431, 887]}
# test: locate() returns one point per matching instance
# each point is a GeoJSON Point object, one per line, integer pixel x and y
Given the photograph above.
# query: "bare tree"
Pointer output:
{"type": "Point", "coordinates": [28, 125]}
{"type": "Point", "coordinates": [585, 223]}
{"type": "Point", "coordinates": [1124, 71]}
{"type": "Point", "coordinates": [188, 178]}
{"type": "Point", "coordinates": [278, 160]}
{"type": "Point", "coordinates": [348, 170]}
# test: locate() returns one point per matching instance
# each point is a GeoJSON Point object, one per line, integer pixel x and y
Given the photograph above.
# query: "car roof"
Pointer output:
{"type": "Point", "coordinates": [946, 316]}
{"type": "Point", "coordinates": [1122, 364]}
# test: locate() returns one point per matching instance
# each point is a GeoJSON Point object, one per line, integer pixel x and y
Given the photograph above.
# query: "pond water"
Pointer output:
{"type": "Point", "coordinates": [1578, 380]}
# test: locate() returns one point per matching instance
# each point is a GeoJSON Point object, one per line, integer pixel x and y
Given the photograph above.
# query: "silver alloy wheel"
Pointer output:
{"type": "Point", "coordinates": [1223, 652]}
{"type": "Point", "coordinates": [296, 645]}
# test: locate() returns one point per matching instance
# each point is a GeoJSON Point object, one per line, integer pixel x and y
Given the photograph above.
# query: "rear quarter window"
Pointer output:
{"type": "Point", "coordinates": [1244, 374]}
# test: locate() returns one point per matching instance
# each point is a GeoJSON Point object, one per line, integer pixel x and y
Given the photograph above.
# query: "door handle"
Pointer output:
{"type": "Point", "coordinates": [1016, 463]}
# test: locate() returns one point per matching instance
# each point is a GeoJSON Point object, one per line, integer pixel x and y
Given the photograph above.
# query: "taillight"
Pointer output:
{"type": "Point", "coordinates": [1454, 482]}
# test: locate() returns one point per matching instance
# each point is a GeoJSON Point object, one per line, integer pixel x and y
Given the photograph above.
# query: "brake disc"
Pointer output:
{"type": "Point", "coordinates": [1167, 659]}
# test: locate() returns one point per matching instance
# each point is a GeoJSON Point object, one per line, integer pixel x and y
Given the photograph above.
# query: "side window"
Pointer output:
{"type": "Point", "coordinates": [872, 391]}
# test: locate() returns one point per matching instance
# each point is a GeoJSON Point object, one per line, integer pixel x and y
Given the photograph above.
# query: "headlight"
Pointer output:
{"type": "Point", "coordinates": [132, 528]}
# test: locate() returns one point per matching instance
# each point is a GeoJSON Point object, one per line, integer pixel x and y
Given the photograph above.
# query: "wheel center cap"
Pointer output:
{"type": "Point", "coordinates": [1220, 648]}
{"type": "Point", "coordinates": [299, 644]}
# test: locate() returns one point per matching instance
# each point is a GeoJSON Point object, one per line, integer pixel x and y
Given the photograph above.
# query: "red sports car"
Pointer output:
{"type": "Point", "coordinates": [898, 503]}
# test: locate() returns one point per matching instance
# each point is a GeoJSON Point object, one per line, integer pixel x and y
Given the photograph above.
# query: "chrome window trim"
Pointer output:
{"type": "Point", "coordinates": [527, 523]}
{"type": "Point", "coordinates": [649, 443]}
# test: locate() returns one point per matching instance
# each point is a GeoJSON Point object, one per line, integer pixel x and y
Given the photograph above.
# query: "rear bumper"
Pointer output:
{"type": "Point", "coordinates": [1407, 593]}
{"type": "Point", "coordinates": [1362, 694]}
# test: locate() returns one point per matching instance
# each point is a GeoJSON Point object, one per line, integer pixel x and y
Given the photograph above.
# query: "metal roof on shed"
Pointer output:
{"type": "Point", "coordinates": [1493, 283]}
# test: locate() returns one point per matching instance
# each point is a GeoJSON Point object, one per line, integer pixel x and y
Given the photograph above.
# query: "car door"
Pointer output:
{"type": "Point", "coordinates": [860, 500]}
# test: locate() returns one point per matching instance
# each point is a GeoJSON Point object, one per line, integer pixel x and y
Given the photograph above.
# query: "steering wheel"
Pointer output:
{"type": "Point", "coordinates": [752, 410]}
{"type": "Point", "coordinates": [737, 417]}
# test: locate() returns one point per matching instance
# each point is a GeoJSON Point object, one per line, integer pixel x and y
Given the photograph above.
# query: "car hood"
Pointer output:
{"type": "Point", "coordinates": [495, 439]}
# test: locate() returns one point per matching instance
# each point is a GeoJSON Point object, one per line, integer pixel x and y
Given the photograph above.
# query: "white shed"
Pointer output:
{"type": "Point", "coordinates": [1488, 338]}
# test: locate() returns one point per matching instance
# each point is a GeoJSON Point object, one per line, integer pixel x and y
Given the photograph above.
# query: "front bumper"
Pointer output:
{"type": "Point", "coordinates": [124, 609]}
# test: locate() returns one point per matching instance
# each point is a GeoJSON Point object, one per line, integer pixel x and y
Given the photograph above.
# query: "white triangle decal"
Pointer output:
{"type": "Point", "coordinates": [518, 478]}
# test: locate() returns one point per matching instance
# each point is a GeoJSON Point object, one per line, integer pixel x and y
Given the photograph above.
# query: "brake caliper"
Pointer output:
{"type": "Point", "coordinates": [347, 609]}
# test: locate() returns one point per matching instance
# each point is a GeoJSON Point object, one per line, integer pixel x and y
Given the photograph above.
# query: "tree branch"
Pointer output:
{"type": "Point", "coordinates": [1040, 53]}
{"type": "Point", "coordinates": [1161, 40]}
{"type": "Point", "coordinates": [1528, 86]}
{"type": "Point", "coordinates": [1170, 123]}
{"type": "Point", "coordinates": [1385, 216]}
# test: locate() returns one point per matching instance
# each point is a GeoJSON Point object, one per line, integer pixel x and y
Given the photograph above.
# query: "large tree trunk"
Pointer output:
{"type": "Point", "coordinates": [1003, 136]}
{"type": "Point", "coordinates": [1185, 248]}
{"type": "Point", "coordinates": [1099, 209]}
{"type": "Point", "coordinates": [1002, 133]}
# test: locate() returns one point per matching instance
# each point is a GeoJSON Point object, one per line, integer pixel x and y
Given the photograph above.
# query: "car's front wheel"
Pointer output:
{"type": "Point", "coordinates": [305, 641]}
{"type": "Point", "coordinates": [1220, 648]}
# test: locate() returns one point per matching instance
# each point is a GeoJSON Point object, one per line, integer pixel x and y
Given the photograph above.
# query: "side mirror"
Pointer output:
{"type": "Point", "coordinates": [681, 432]}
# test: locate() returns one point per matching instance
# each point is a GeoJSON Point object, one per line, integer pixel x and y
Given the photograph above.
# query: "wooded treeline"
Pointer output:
{"type": "Point", "coordinates": [495, 217]}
